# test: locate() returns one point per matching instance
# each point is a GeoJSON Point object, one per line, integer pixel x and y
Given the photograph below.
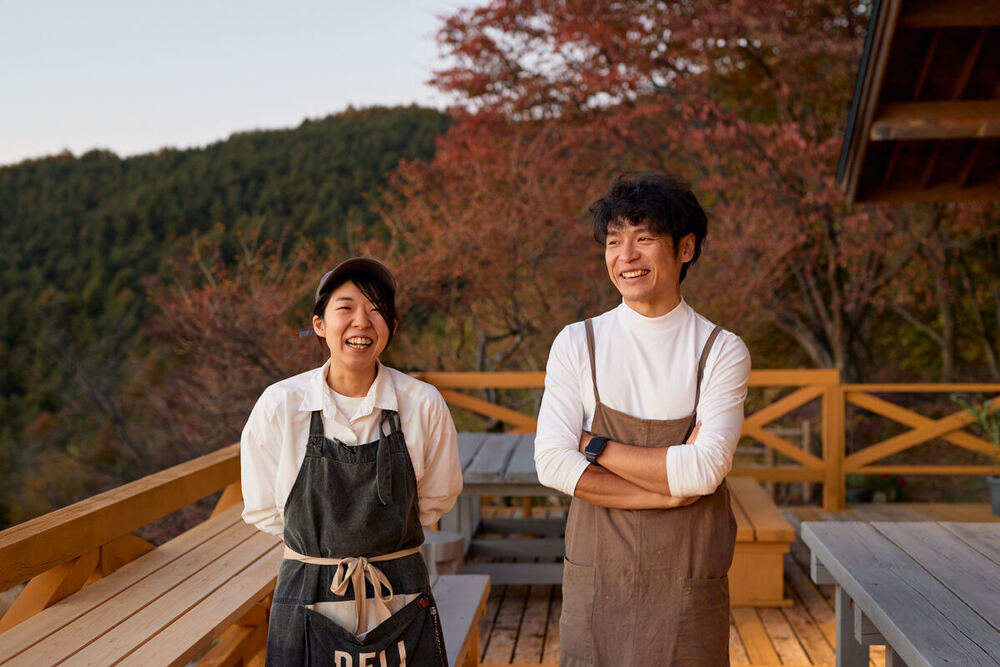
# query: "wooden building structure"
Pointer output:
{"type": "Point", "coordinates": [925, 119]}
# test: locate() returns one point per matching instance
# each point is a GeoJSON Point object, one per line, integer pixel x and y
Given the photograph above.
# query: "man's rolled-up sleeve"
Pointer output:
{"type": "Point", "coordinates": [698, 468]}
{"type": "Point", "coordinates": [558, 460]}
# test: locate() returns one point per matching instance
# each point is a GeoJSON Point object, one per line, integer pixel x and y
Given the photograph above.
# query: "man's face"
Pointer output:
{"type": "Point", "coordinates": [645, 268]}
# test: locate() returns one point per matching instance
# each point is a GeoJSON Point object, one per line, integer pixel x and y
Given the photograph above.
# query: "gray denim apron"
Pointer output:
{"type": "Point", "coordinates": [647, 588]}
{"type": "Point", "coordinates": [353, 503]}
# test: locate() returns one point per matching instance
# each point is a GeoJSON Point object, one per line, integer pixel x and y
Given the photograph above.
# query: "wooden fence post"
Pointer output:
{"type": "Point", "coordinates": [833, 445]}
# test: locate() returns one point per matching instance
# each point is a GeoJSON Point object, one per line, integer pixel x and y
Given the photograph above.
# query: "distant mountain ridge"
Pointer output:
{"type": "Point", "coordinates": [78, 235]}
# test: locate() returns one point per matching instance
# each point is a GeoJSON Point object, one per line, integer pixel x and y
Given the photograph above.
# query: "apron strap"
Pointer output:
{"type": "Point", "coordinates": [355, 570]}
{"type": "Point", "coordinates": [589, 326]}
{"type": "Point", "coordinates": [383, 457]}
{"type": "Point", "coordinates": [701, 366]}
{"type": "Point", "coordinates": [316, 425]}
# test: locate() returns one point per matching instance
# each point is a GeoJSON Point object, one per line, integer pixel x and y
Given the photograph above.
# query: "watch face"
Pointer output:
{"type": "Point", "coordinates": [594, 448]}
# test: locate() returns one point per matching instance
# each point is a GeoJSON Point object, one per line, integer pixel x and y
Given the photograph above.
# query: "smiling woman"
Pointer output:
{"type": "Point", "coordinates": [349, 462]}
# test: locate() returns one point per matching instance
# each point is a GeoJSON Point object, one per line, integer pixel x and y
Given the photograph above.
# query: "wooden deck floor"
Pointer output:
{"type": "Point", "coordinates": [522, 622]}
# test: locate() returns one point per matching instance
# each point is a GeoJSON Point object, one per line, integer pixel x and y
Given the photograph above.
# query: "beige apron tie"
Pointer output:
{"type": "Point", "coordinates": [354, 570]}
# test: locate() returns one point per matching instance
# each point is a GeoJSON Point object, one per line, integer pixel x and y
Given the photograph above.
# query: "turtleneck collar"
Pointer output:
{"type": "Point", "coordinates": [666, 322]}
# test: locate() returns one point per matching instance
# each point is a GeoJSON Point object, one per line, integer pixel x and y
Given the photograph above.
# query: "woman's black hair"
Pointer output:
{"type": "Point", "coordinates": [657, 199]}
{"type": "Point", "coordinates": [382, 296]}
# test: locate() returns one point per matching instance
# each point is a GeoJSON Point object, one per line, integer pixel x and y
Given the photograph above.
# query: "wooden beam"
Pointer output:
{"type": "Point", "coordinates": [925, 66]}
{"type": "Point", "coordinates": [867, 92]}
{"type": "Point", "coordinates": [780, 473]}
{"type": "Point", "coordinates": [948, 191]}
{"type": "Point", "coordinates": [37, 545]}
{"type": "Point", "coordinates": [965, 119]}
{"type": "Point", "coordinates": [971, 56]}
{"type": "Point", "coordinates": [950, 14]}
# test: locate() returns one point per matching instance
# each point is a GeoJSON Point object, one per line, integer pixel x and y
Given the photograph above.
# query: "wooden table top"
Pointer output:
{"type": "Point", "coordinates": [931, 588]}
{"type": "Point", "coordinates": [499, 463]}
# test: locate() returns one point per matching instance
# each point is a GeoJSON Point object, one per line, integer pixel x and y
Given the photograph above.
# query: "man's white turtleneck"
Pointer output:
{"type": "Point", "coordinates": [647, 368]}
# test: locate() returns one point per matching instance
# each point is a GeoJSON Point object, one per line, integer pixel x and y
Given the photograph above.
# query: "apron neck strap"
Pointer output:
{"type": "Point", "coordinates": [589, 326]}
{"type": "Point", "coordinates": [701, 364]}
{"type": "Point", "coordinates": [316, 425]}
{"type": "Point", "coordinates": [383, 457]}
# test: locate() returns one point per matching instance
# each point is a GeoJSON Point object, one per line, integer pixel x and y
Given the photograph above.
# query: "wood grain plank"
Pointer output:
{"type": "Point", "coordinates": [810, 636]}
{"type": "Point", "coordinates": [521, 469]}
{"type": "Point", "coordinates": [813, 600]}
{"type": "Point", "coordinates": [190, 634]}
{"type": "Point", "coordinates": [34, 546]}
{"type": "Point", "coordinates": [503, 637]}
{"type": "Point", "coordinates": [552, 651]}
{"type": "Point", "coordinates": [97, 607]}
{"type": "Point", "coordinates": [969, 574]}
{"type": "Point", "coordinates": [915, 612]}
{"type": "Point", "coordinates": [146, 623]}
{"type": "Point", "coordinates": [490, 462]}
{"type": "Point", "coordinates": [460, 599]}
{"type": "Point", "coordinates": [783, 638]}
{"type": "Point", "coordinates": [744, 527]}
{"type": "Point", "coordinates": [531, 635]}
{"type": "Point", "coordinates": [982, 538]}
{"type": "Point", "coordinates": [754, 636]}
{"type": "Point", "coordinates": [768, 523]}
{"type": "Point", "coordinates": [737, 653]}
{"type": "Point", "coordinates": [468, 446]}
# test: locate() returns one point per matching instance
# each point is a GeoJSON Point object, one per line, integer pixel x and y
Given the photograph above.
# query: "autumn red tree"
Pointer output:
{"type": "Point", "coordinates": [491, 246]}
{"type": "Point", "coordinates": [231, 317]}
{"type": "Point", "coordinates": [746, 99]}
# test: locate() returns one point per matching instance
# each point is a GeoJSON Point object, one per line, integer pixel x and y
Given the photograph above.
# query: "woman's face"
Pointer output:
{"type": "Point", "coordinates": [354, 331]}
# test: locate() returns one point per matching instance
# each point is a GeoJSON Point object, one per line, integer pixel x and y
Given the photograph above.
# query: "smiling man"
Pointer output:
{"type": "Point", "coordinates": [642, 410]}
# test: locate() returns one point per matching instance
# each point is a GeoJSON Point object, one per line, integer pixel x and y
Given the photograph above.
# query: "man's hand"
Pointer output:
{"type": "Point", "coordinates": [694, 434]}
{"type": "Point", "coordinates": [584, 440]}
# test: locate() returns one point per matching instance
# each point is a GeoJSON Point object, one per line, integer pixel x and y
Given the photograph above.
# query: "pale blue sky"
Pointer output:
{"type": "Point", "coordinates": [133, 76]}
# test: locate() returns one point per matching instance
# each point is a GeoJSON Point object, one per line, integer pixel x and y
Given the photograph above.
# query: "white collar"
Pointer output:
{"type": "Point", "coordinates": [318, 395]}
{"type": "Point", "coordinates": [671, 320]}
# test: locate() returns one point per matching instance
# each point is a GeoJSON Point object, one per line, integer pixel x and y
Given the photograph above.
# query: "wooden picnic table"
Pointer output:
{"type": "Point", "coordinates": [503, 464]}
{"type": "Point", "coordinates": [928, 591]}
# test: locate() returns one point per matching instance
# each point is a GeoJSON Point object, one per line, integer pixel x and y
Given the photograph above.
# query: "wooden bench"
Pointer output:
{"type": "Point", "coordinates": [763, 537]}
{"type": "Point", "coordinates": [502, 464]}
{"type": "Point", "coordinates": [203, 595]}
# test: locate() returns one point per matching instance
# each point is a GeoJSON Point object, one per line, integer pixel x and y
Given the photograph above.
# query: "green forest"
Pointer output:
{"type": "Point", "coordinates": [81, 236]}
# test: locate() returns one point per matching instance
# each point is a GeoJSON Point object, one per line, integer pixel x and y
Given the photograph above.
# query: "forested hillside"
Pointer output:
{"type": "Point", "coordinates": [80, 235]}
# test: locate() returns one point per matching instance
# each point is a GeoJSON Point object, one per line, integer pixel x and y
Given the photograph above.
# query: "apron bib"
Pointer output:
{"type": "Point", "coordinates": [647, 588]}
{"type": "Point", "coordinates": [350, 510]}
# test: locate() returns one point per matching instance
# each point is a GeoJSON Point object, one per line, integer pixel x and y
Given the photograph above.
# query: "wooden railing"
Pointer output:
{"type": "Point", "coordinates": [60, 552]}
{"type": "Point", "coordinates": [57, 554]}
{"type": "Point", "coordinates": [830, 467]}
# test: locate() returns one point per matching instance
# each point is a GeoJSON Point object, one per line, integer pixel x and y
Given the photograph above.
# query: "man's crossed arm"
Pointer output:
{"type": "Point", "coordinates": [629, 477]}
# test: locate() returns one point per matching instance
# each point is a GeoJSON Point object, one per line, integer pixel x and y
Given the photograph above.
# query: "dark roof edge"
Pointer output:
{"type": "Point", "coordinates": [859, 84]}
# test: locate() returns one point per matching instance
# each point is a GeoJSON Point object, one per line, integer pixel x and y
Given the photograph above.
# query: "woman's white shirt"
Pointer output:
{"type": "Point", "coordinates": [273, 444]}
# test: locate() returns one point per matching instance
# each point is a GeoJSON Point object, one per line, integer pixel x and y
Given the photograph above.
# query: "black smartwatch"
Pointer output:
{"type": "Point", "coordinates": [594, 448]}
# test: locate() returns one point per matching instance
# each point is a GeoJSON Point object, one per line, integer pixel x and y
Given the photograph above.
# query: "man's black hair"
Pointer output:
{"type": "Point", "coordinates": [382, 296]}
{"type": "Point", "coordinates": [657, 199]}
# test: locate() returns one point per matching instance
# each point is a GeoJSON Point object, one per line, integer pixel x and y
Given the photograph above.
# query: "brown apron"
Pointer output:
{"type": "Point", "coordinates": [645, 588]}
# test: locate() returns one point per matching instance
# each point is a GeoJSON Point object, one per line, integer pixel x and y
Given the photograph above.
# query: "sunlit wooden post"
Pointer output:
{"type": "Point", "coordinates": [833, 444]}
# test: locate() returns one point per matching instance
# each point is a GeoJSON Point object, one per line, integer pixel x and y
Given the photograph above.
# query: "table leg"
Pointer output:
{"type": "Point", "coordinates": [849, 652]}
{"type": "Point", "coordinates": [892, 658]}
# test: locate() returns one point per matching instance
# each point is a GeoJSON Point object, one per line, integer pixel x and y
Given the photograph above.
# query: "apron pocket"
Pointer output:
{"type": "Point", "coordinates": [410, 636]}
{"type": "Point", "coordinates": [703, 631]}
{"type": "Point", "coordinates": [576, 620]}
